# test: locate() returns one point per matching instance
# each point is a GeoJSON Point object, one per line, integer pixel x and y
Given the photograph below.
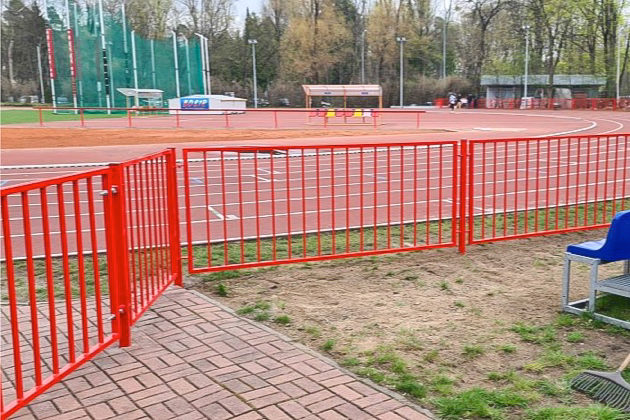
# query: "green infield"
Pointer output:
{"type": "Point", "coordinates": [29, 116]}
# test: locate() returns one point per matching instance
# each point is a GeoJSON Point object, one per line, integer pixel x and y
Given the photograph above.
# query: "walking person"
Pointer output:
{"type": "Point", "coordinates": [452, 101]}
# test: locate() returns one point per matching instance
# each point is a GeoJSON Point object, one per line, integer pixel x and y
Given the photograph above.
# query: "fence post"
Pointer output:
{"type": "Point", "coordinates": [41, 117]}
{"type": "Point", "coordinates": [177, 118]}
{"type": "Point", "coordinates": [173, 215]}
{"type": "Point", "coordinates": [117, 252]}
{"type": "Point", "coordinates": [129, 118]}
{"type": "Point", "coordinates": [275, 119]}
{"type": "Point", "coordinates": [463, 160]}
{"type": "Point", "coordinates": [82, 117]}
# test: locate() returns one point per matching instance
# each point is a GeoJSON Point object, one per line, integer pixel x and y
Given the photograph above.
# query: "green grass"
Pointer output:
{"type": "Point", "coordinates": [328, 345]}
{"type": "Point", "coordinates": [478, 403]}
{"type": "Point", "coordinates": [26, 116]}
{"type": "Point", "coordinates": [592, 412]}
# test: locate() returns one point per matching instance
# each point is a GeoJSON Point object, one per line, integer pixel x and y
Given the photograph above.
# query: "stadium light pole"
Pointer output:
{"type": "Point", "coordinates": [401, 40]}
{"type": "Point", "coordinates": [617, 79]}
{"type": "Point", "coordinates": [253, 43]}
{"type": "Point", "coordinates": [41, 73]}
{"type": "Point", "coordinates": [363, 56]}
{"type": "Point", "coordinates": [525, 82]}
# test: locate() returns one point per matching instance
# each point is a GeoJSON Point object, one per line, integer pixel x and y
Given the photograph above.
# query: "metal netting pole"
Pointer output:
{"type": "Point", "coordinates": [105, 63]}
{"type": "Point", "coordinates": [135, 68]}
{"type": "Point", "coordinates": [41, 74]}
{"type": "Point", "coordinates": [176, 62]}
{"type": "Point", "coordinates": [203, 63]}
{"type": "Point", "coordinates": [153, 64]}
{"type": "Point", "coordinates": [188, 66]}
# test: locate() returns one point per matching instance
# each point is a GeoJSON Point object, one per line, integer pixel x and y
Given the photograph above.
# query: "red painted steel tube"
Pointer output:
{"type": "Point", "coordinates": [145, 199]}
{"type": "Point", "coordinates": [120, 271]}
{"type": "Point", "coordinates": [275, 119]}
{"type": "Point", "coordinates": [30, 270]}
{"type": "Point", "coordinates": [50, 287]}
{"type": "Point", "coordinates": [625, 168]}
{"type": "Point", "coordinates": [347, 200]}
{"type": "Point", "coordinates": [153, 190]}
{"type": "Point", "coordinates": [417, 121]}
{"type": "Point", "coordinates": [319, 204]}
{"type": "Point", "coordinates": [402, 197]}
{"type": "Point", "coordinates": [614, 201]}
{"type": "Point", "coordinates": [462, 196]}
{"type": "Point", "coordinates": [516, 181]}
{"type": "Point", "coordinates": [303, 206]}
{"type": "Point", "coordinates": [361, 212]}
{"type": "Point", "coordinates": [389, 197]}
{"type": "Point", "coordinates": [415, 196]}
{"type": "Point", "coordinates": [15, 334]}
{"type": "Point", "coordinates": [525, 229]}
{"type": "Point", "coordinates": [206, 182]}
{"type": "Point", "coordinates": [332, 200]}
{"type": "Point", "coordinates": [129, 124]}
{"type": "Point", "coordinates": [273, 206]}
{"type": "Point", "coordinates": [577, 181]}
{"type": "Point", "coordinates": [537, 205]}
{"type": "Point", "coordinates": [177, 125]}
{"type": "Point", "coordinates": [597, 149]}
{"type": "Point", "coordinates": [375, 212]}
{"type": "Point", "coordinates": [141, 248]}
{"type": "Point", "coordinates": [95, 262]}
{"type": "Point", "coordinates": [41, 117]}
{"type": "Point", "coordinates": [227, 119]}
{"type": "Point", "coordinates": [483, 187]}
{"type": "Point", "coordinates": [604, 214]}
{"type": "Point", "coordinates": [82, 118]}
{"type": "Point", "coordinates": [173, 216]}
{"type": "Point", "coordinates": [558, 148]}
{"type": "Point", "coordinates": [66, 271]}
{"type": "Point", "coordinates": [506, 156]}
{"type": "Point", "coordinates": [132, 248]}
{"type": "Point", "coordinates": [76, 198]}
{"type": "Point", "coordinates": [567, 185]}
{"type": "Point", "coordinates": [494, 189]}
{"type": "Point", "coordinates": [241, 215]}
{"type": "Point", "coordinates": [288, 187]}
{"type": "Point", "coordinates": [257, 197]}
{"type": "Point", "coordinates": [427, 223]}
{"type": "Point", "coordinates": [224, 209]}
{"type": "Point", "coordinates": [440, 186]}
{"type": "Point", "coordinates": [454, 186]}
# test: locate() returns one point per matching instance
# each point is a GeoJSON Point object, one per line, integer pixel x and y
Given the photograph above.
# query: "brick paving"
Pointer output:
{"type": "Point", "coordinates": [192, 358]}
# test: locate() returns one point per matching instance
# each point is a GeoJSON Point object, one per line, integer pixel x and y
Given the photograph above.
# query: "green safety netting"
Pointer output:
{"type": "Point", "coordinates": [155, 59]}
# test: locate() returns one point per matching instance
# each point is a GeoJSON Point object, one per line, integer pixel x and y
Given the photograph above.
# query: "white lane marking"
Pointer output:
{"type": "Point", "coordinates": [220, 215]}
{"type": "Point", "coordinates": [620, 126]}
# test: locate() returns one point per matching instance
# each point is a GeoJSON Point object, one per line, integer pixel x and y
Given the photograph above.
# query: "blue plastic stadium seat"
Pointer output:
{"type": "Point", "coordinates": [615, 247]}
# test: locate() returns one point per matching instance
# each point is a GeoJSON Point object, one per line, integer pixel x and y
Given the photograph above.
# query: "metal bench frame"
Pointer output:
{"type": "Point", "coordinates": [617, 285]}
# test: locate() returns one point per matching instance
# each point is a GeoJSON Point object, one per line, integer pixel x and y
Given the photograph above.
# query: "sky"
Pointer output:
{"type": "Point", "coordinates": [241, 6]}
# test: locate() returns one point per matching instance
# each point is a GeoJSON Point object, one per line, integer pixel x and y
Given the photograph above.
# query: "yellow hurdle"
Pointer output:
{"type": "Point", "coordinates": [330, 113]}
{"type": "Point", "coordinates": [358, 112]}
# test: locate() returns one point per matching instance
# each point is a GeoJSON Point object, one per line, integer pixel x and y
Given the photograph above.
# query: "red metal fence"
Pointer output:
{"type": "Point", "coordinates": [71, 288]}
{"type": "Point", "coordinates": [250, 118]}
{"type": "Point", "coordinates": [528, 187]}
{"type": "Point", "coordinates": [86, 254]}
{"type": "Point", "coordinates": [253, 206]}
{"type": "Point", "coordinates": [595, 104]}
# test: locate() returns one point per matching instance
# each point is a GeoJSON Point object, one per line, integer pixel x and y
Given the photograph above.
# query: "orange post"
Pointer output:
{"type": "Point", "coordinates": [462, 195]}
{"type": "Point", "coordinates": [173, 215]}
{"type": "Point", "coordinates": [82, 117]}
{"type": "Point", "coordinates": [41, 117]}
{"type": "Point", "coordinates": [129, 117]}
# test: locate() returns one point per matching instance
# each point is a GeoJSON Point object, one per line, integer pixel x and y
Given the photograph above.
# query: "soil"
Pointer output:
{"type": "Point", "coordinates": [432, 301]}
{"type": "Point", "coordinates": [20, 138]}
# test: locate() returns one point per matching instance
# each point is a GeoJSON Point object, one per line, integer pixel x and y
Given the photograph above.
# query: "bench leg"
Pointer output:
{"type": "Point", "coordinates": [592, 295]}
{"type": "Point", "coordinates": [566, 275]}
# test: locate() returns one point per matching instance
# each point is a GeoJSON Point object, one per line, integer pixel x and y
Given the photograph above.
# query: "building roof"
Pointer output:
{"type": "Point", "coordinates": [342, 90]}
{"type": "Point", "coordinates": [543, 79]}
{"type": "Point", "coordinates": [141, 93]}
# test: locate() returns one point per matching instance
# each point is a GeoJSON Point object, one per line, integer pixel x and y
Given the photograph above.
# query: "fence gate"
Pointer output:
{"type": "Point", "coordinates": [257, 206]}
{"type": "Point", "coordinates": [83, 256]}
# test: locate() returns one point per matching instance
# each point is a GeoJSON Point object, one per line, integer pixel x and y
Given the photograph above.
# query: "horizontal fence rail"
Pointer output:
{"type": "Point", "coordinates": [529, 187]}
{"type": "Point", "coordinates": [250, 118]}
{"type": "Point", "coordinates": [265, 206]}
{"type": "Point", "coordinates": [594, 104]}
{"type": "Point", "coordinates": [56, 310]}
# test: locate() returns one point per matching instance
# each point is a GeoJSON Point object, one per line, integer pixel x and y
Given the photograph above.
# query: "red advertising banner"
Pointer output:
{"type": "Point", "coordinates": [73, 64]}
{"type": "Point", "coordinates": [51, 53]}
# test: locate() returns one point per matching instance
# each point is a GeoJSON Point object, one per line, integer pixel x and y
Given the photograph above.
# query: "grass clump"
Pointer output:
{"type": "Point", "coordinates": [478, 403]}
{"type": "Point", "coordinates": [246, 310]}
{"type": "Point", "coordinates": [473, 351]}
{"type": "Point", "coordinates": [575, 337]}
{"type": "Point", "coordinates": [282, 319]}
{"type": "Point", "coordinates": [328, 345]}
{"type": "Point", "coordinates": [262, 316]}
{"type": "Point", "coordinates": [221, 290]}
{"type": "Point", "coordinates": [507, 348]}
{"type": "Point", "coordinates": [534, 334]}
{"type": "Point", "coordinates": [592, 412]}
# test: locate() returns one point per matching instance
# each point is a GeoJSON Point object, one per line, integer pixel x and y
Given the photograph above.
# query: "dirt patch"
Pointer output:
{"type": "Point", "coordinates": [442, 313]}
{"type": "Point", "coordinates": [20, 138]}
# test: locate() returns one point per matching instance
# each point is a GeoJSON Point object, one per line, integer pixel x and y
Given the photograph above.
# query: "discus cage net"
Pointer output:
{"type": "Point", "coordinates": [84, 74]}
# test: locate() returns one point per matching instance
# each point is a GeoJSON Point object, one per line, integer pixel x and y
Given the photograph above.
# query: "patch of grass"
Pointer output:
{"type": "Point", "coordinates": [372, 374]}
{"type": "Point", "coordinates": [328, 345]}
{"type": "Point", "coordinates": [473, 351]}
{"type": "Point", "coordinates": [350, 362]}
{"type": "Point", "coordinates": [431, 356]}
{"type": "Point", "coordinates": [565, 320]}
{"type": "Point", "coordinates": [27, 116]}
{"type": "Point", "coordinates": [575, 337]}
{"type": "Point", "coordinates": [410, 278]}
{"type": "Point", "coordinates": [222, 275]}
{"type": "Point", "coordinates": [444, 285]}
{"type": "Point", "coordinates": [263, 305]}
{"type": "Point", "coordinates": [459, 280]}
{"type": "Point", "coordinates": [591, 361]}
{"type": "Point", "coordinates": [246, 310]}
{"type": "Point", "coordinates": [410, 385]}
{"type": "Point", "coordinates": [221, 290]}
{"type": "Point", "coordinates": [408, 340]}
{"type": "Point", "coordinates": [442, 385]}
{"type": "Point", "coordinates": [478, 403]}
{"type": "Point", "coordinates": [534, 334]}
{"type": "Point", "coordinates": [282, 319]}
{"type": "Point", "coordinates": [459, 304]}
{"type": "Point", "coordinates": [592, 412]}
{"type": "Point", "coordinates": [507, 348]}
{"type": "Point", "coordinates": [312, 330]}
{"type": "Point", "coordinates": [262, 316]}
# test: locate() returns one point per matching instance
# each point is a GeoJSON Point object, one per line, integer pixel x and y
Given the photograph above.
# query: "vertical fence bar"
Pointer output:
{"type": "Point", "coordinates": [173, 216]}
{"type": "Point", "coordinates": [224, 208]}
{"type": "Point", "coordinates": [332, 200]}
{"type": "Point", "coordinates": [375, 212]}
{"type": "Point", "coordinates": [28, 245]}
{"type": "Point", "coordinates": [95, 262]}
{"type": "Point", "coordinates": [288, 187]}
{"type": "Point", "coordinates": [303, 174]}
{"type": "Point", "coordinates": [189, 246]}
{"type": "Point", "coordinates": [273, 206]}
{"type": "Point", "coordinates": [241, 215]}
{"type": "Point", "coordinates": [462, 196]}
{"type": "Point", "coordinates": [257, 198]}
{"type": "Point", "coordinates": [319, 203]}
{"type": "Point", "coordinates": [415, 195]}
{"type": "Point", "coordinates": [66, 271]}
{"type": "Point", "coordinates": [81, 264]}
{"type": "Point", "coordinates": [361, 211]}
{"type": "Point", "coordinates": [402, 196]}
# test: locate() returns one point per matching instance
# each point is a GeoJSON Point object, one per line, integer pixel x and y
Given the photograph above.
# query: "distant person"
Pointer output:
{"type": "Point", "coordinates": [470, 100]}
{"type": "Point", "coordinates": [452, 101]}
{"type": "Point", "coordinates": [459, 101]}
{"type": "Point", "coordinates": [464, 102]}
